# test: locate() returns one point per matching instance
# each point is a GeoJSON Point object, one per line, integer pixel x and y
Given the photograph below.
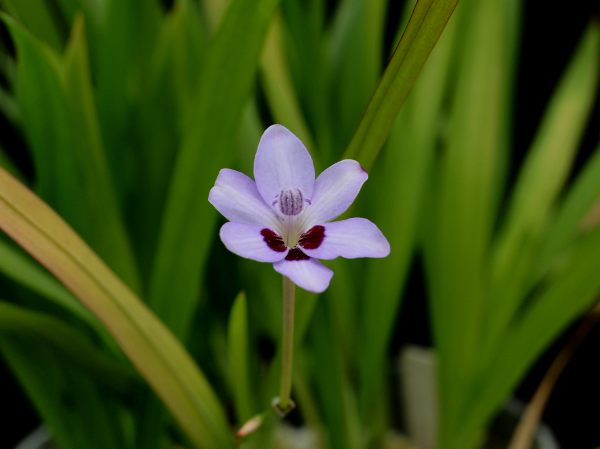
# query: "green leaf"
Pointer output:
{"type": "Point", "coordinates": [23, 270]}
{"type": "Point", "coordinates": [355, 49]}
{"type": "Point", "coordinates": [424, 28]}
{"type": "Point", "coordinates": [166, 91]}
{"type": "Point", "coordinates": [306, 44]}
{"type": "Point", "coordinates": [103, 226]}
{"type": "Point", "coordinates": [72, 382]}
{"type": "Point", "coordinates": [239, 372]}
{"type": "Point", "coordinates": [569, 293]}
{"type": "Point", "coordinates": [47, 129]}
{"type": "Point", "coordinates": [121, 43]}
{"type": "Point", "coordinates": [37, 17]}
{"type": "Point", "coordinates": [71, 343]}
{"type": "Point", "coordinates": [78, 410]}
{"type": "Point", "coordinates": [541, 180]}
{"type": "Point", "coordinates": [9, 107]}
{"type": "Point", "coordinates": [577, 212]}
{"type": "Point", "coordinates": [279, 90]}
{"type": "Point", "coordinates": [7, 163]}
{"type": "Point", "coordinates": [152, 349]}
{"type": "Point", "coordinates": [224, 89]}
{"type": "Point", "coordinates": [464, 198]}
{"type": "Point", "coordinates": [401, 173]}
{"type": "Point", "coordinates": [41, 376]}
{"type": "Point", "coordinates": [64, 137]}
{"type": "Point", "coordinates": [332, 384]}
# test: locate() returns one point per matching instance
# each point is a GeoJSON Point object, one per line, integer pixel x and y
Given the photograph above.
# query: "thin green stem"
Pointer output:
{"type": "Point", "coordinates": [287, 344]}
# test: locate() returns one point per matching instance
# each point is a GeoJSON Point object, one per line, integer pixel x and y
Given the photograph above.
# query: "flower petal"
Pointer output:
{"type": "Point", "coordinates": [247, 241]}
{"type": "Point", "coordinates": [235, 195]}
{"type": "Point", "coordinates": [309, 274]}
{"type": "Point", "coordinates": [282, 161]}
{"type": "Point", "coordinates": [335, 190]}
{"type": "Point", "coordinates": [352, 238]}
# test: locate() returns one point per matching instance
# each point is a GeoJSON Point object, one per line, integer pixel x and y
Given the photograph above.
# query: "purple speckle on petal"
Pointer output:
{"type": "Point", "coordinates": [274, 241]}
{"type": "Point", "coordinates": [296, 254]}
{"type": "Point", "coordinates": [312, 238]}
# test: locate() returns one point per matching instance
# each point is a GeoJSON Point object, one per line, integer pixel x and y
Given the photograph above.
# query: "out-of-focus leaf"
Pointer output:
{"type": "Point", "coordinates": [355, 52]}
{"type": "Point", "coordinates": [166, 92]}
{"type": "Point", "coordinates": [237, 342]}
{"type": "Point", "coordinates": [120, 46]}
{"type": "Point", "coordinates": [337, 399]}
{"type": "Point", "coordinates": [569, 293]}
{"type": "Point", "coordinates": [401, 174]}
{"type": "Point", "coordinates": [71, 171]}
{"type": "Point", "coordinates": [545, 171]}
{"type": "Point", "coordinates": [422, 32]}
{"type": "Point", "coordinates": [74, 345]}
{"type": "Point", "coordinates": [24, 271]}
{"type": "Point", "coordinates": [214, 10]}
{"type": "Point", "coordinates": [306, 53]}
{"type": "Point", "coordinates": [8, 164]}
{"type": "Point", "coordinates": [78, 411]}
{"type": "Point", "coordinates": [280, 90]}
{"type": "Point", "coordinates": [47, 129]}
{"type": "Point", "coordinates": [37, 17]}
{"type": "Point", "coordinates": [152, 349]}
{"type": "Point", "coordinates": [40, 375]}
{"type": "Point", "coordinates": [572, 217]}
{"type": "Point", "coordinates": [103, 227]}
{"type": "Point", "coordinates": [464, 203]}
{"type": "Point", "coordinates": [305, 396]}
{"type": "Point", "coordinates": [188, 225]}
{"type": "Point", "coordinates": [91, 10]}
{"type": "Point", "coordinates": [9, 107]}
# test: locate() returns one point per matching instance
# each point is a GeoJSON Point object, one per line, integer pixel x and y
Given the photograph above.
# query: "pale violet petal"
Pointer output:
{"type": "Point", "coordinates": [235, 195]}
{"type": "Point", "coordinates": [246, 241]}
{"type": "Point", "coordinates": [352, 238]}
{"type": "Point", "coordinates": [282, 161]}
{"type": "Point", "coordinates": [309, 274]}
{"type": "Point", "coordinates": [335, 190]}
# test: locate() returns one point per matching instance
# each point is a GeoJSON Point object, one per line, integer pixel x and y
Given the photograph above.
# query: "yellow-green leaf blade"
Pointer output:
{"type": "Point", "coordinates": [152, 349]}
{"type": "Point", "coordinates": [422, 32]}
{"type": "Point", "coordinates": [545, 171]}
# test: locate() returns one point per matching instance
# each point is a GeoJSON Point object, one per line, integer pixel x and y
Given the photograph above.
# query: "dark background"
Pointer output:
{"type": "Point", "coordinates": [551, 31]}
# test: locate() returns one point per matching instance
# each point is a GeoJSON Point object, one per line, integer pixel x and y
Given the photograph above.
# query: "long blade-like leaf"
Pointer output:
{"type": "Point", "coordinates": [422, 32]}
{"type": "Point", "coordinates": [188, 225]}
{"type": "Point", "coordinates": [464, 202]}
{"type": "Point", "coordinates": [544, 174]}
{"type": "Point", "coordinates": [152, 349]}
{"type": "Point", "coordinates": [401, 173]}
{"type": "Point", "coordinates": [71, 169]}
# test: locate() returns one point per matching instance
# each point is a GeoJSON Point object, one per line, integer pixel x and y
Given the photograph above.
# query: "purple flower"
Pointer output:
{"type": "Point", "coordinates": [285, 217]}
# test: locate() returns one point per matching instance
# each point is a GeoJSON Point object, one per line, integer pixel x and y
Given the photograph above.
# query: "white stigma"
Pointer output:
{"type": "Point", "coordinates": [291, 201]}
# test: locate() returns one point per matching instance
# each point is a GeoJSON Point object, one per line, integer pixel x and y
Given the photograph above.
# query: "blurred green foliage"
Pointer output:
{"type": "Point", "coordinates": [129, 109]}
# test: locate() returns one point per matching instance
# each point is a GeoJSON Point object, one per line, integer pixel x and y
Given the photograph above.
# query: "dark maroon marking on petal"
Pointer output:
{"type": "Point", "coordinates": [296, 254]}
{"type": "Point", "coordinates": [273, 240]}
{"type": "Point", "coordinates": [312, 238]}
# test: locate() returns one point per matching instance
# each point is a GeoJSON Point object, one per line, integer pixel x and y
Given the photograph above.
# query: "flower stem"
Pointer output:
{"type": "Point", "coordinates": [287, 344]}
